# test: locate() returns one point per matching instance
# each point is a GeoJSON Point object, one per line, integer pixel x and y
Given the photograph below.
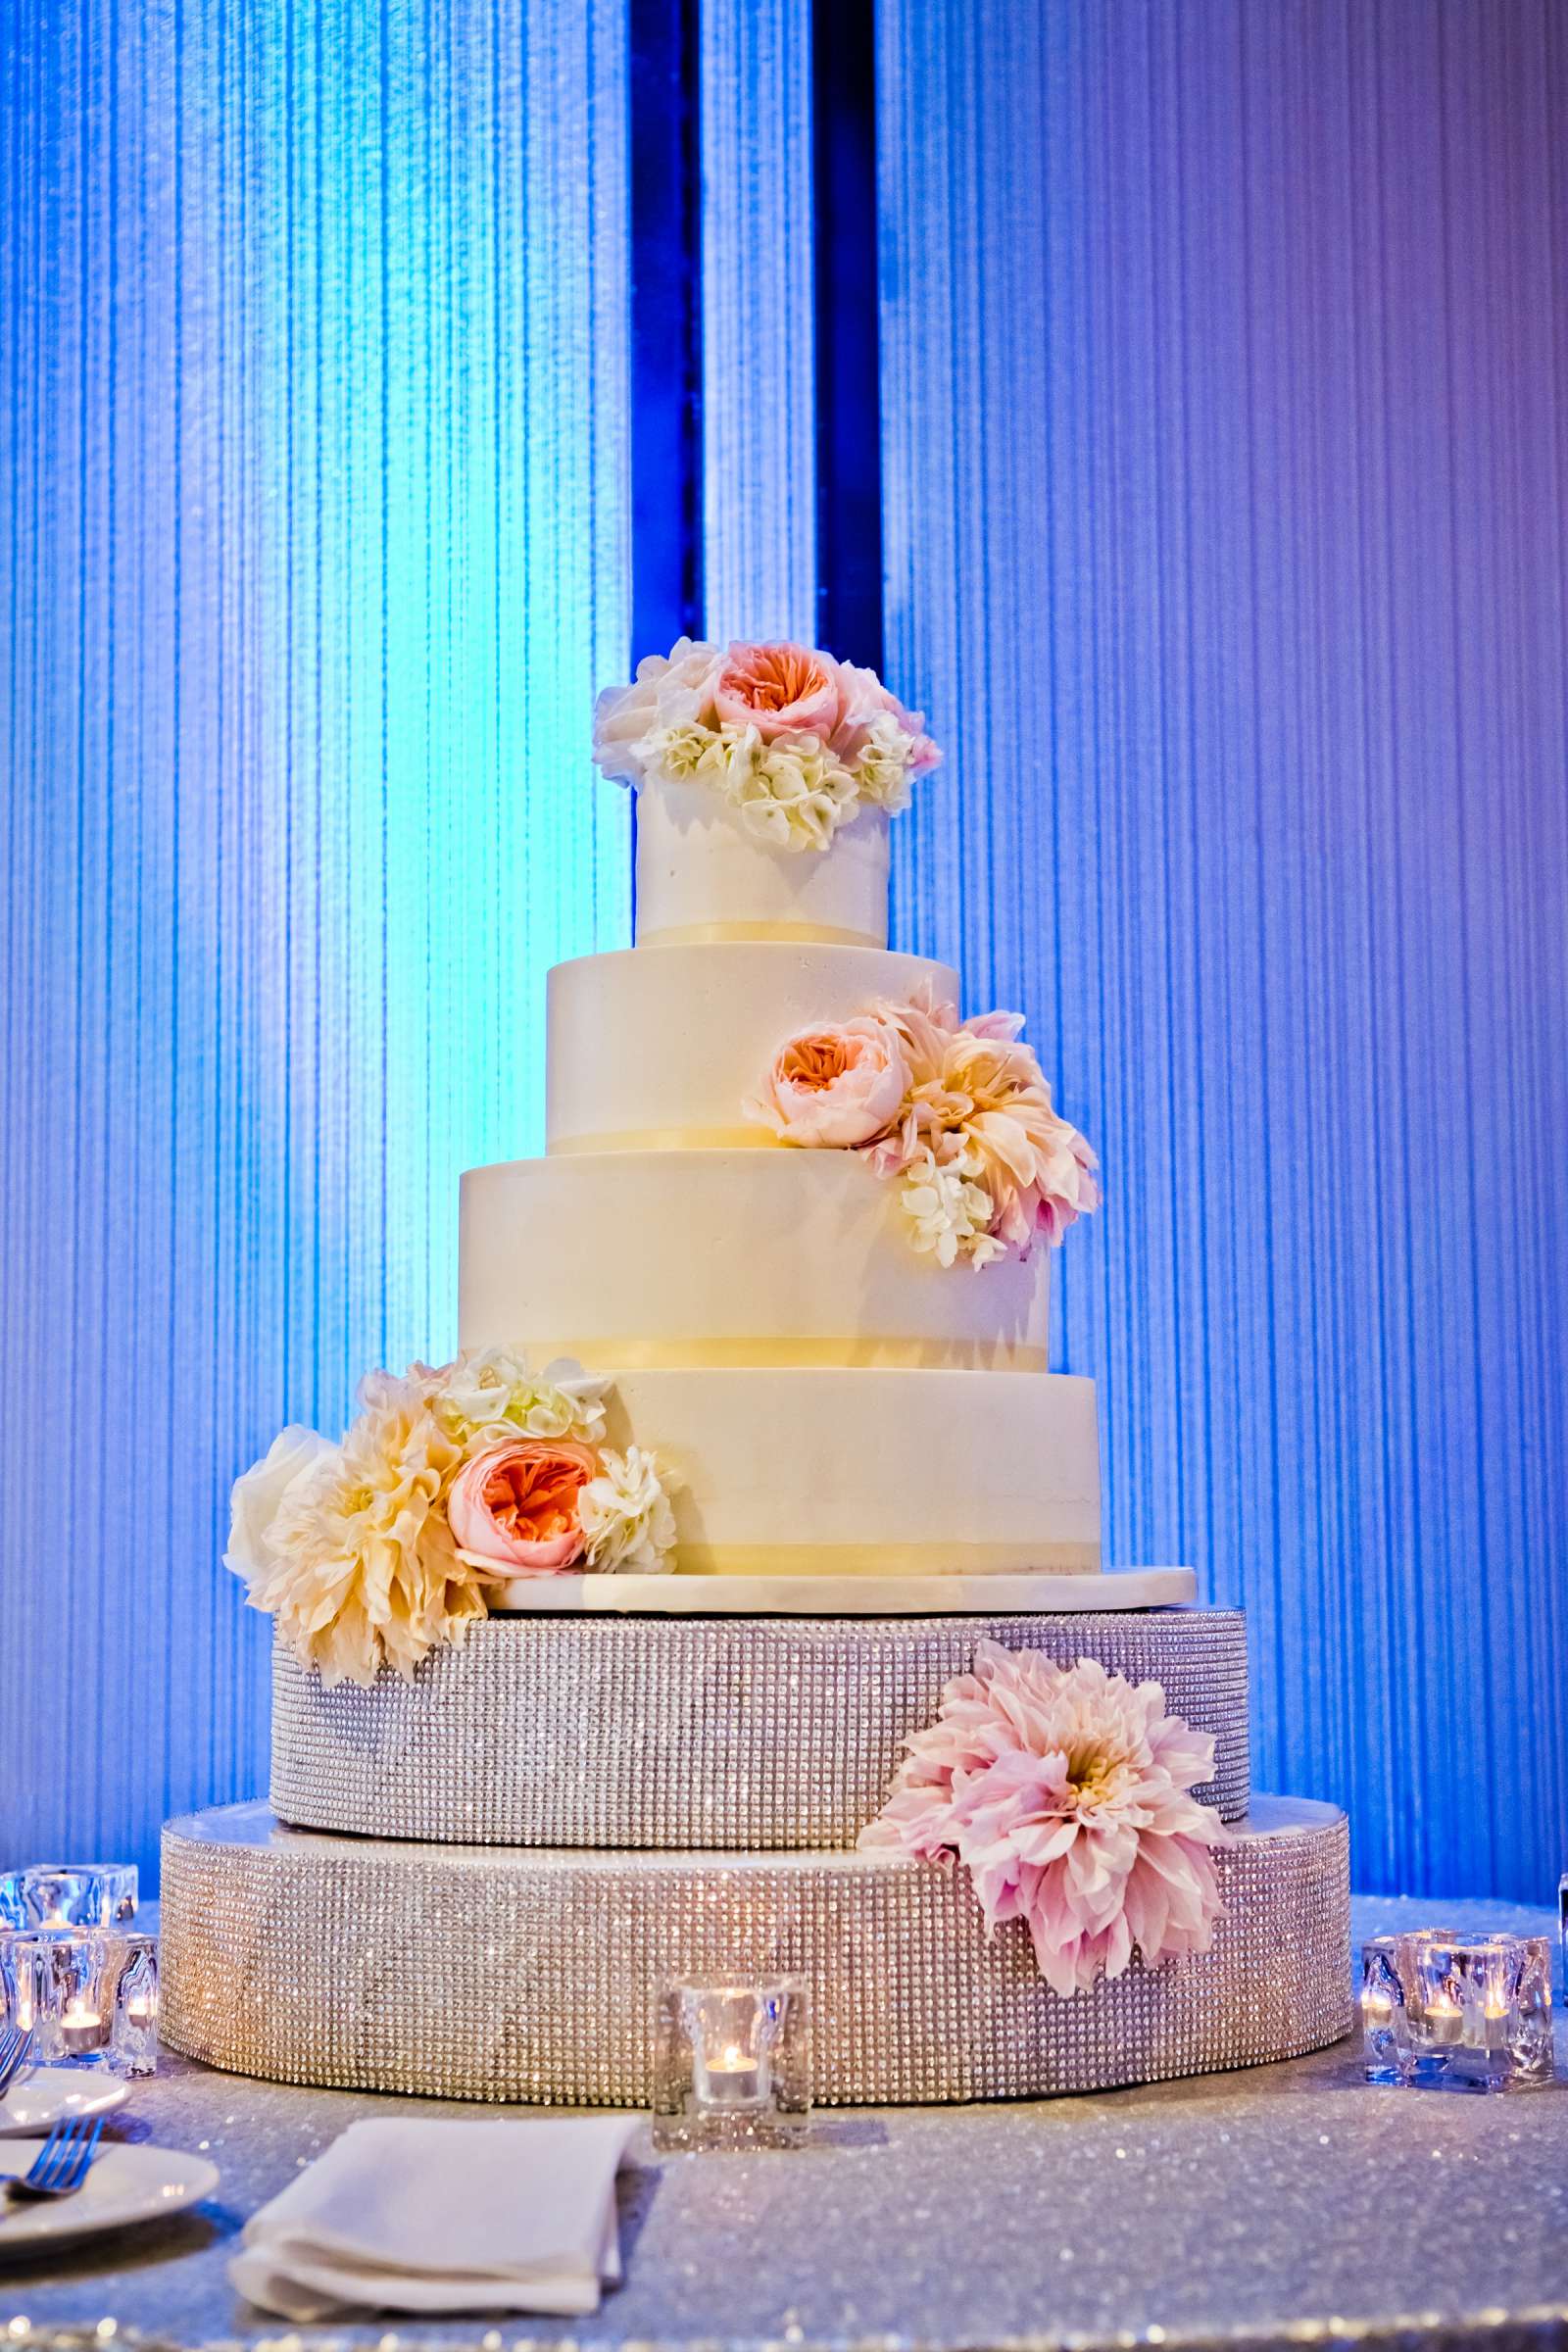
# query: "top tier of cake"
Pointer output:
{"type": "Point", "coordinates": [700, 877]}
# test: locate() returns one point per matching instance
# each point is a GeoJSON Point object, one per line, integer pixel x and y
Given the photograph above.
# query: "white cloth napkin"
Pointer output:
{"type": "Point", "coordinates": [406, 2215]}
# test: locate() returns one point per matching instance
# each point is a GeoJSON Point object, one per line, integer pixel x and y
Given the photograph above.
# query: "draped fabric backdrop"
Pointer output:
{"type": "Point", "coordinates": [365, 368]}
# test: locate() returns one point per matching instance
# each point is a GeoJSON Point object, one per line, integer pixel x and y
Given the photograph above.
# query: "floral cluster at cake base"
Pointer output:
{"type": "Point", "coordinates": [957, 1112]}
{"type": "Point", "coordinates": [794, 741]}
{"type": "Point", "coordinates": [450, 1481]}
{"type": "Point", "coordinates": [1064, 1791]}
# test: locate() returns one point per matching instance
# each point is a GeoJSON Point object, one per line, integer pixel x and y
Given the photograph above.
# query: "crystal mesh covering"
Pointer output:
{"type": "Point", "coordinates": [531, 1976]}
{"type": "Point", "coordinates": [708, 1732]}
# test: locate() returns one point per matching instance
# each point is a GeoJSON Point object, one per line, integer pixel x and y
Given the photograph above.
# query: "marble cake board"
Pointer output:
{"type": "Point", "coordinates": [526, 1976]}
{"type": "Point", "coordinates": [849, 1595]}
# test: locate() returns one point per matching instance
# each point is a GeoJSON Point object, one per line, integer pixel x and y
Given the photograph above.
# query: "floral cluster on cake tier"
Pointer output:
{"type": "Point", "coordinates": [796, 742]}
{"type": "Point", "coordinates": [958, 1112]}
{"type": "Point", "coordinates": [450, 1481]}
{"type": "Point", "coordinates": [1064, 1791]}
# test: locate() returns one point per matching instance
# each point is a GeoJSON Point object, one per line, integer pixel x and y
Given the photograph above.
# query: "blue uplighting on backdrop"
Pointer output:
{"type": "Point", "coordinates": [1177, 391]}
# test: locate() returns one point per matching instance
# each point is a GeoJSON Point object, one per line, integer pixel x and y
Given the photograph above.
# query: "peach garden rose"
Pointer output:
{"type": "Point", "coordinates": [517, 1507]}
{"type": "Point", "coordinates": [837, 1086]}
{"type": "Point", "coordinates": [780, 690]}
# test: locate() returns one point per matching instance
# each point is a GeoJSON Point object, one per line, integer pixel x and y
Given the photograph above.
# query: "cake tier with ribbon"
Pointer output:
{"type": "Point", "coordinates": [722, 1258]}
{"type": "Point", "coordinates": [674, 1732]}
{"type": "Point", "coordinates": [826, 1472]}
{"type": "Point", "coordinates": [532, 1975]}
{"type": "Point", "coordinates": [657, 1049]}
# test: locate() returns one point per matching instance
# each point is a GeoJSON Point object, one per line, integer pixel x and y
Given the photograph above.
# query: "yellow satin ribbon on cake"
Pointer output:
{"type": "Point", "coordinates": [716, 935]}
{"type": "Point", "coordinates": [666, 1139]}
{"type": "Point", "coordinates": [738, 1354]}
{"type": "Point", "coordinates": [885, 1559]}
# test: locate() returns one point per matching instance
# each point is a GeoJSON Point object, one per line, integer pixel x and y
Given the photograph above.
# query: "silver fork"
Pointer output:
{"type": "Point", "coordinates": [63, 2163]}
{"type": "Point", "coordinates": [16, 2048]}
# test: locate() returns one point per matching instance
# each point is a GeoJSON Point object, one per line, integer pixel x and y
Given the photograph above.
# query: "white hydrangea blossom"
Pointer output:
{"type": "Point", "coordinates": [490, 1393]}
{"type": "Point", "coordinates": [949, 1212]}
{"type": "Point", "coordinates": [882, 770]}
{"type": "Point", "coordinates": [626, 1515]}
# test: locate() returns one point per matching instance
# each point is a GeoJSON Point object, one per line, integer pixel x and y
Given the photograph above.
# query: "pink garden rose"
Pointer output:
{"type": "Point", "coordinates": [780, 690]}
{"type": "Point", "coordinates": [516, 1506]}
{"type": "Point", "coordinates": [837, 1087]}
{"type": "Point", "coordinates": [1066, 1794]}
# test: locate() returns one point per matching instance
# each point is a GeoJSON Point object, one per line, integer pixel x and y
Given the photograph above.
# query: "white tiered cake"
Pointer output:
{"type": "Point", "coordinates": [834, 1403]}
{"type": "Point", "coordinates": [665, 1627]}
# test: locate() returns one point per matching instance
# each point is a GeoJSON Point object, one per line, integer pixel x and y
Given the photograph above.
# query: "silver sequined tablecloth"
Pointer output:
{"type": "Point", "coordinates": [1282, 2207]}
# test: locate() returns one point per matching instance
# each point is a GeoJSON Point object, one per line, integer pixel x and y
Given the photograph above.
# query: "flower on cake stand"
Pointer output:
{"type": "Point", "coordinates": [1064, 1791]}
{"type": "Point", "coordinates": [794, 741]}
{"type": "Point", "coordinates": [450, 1478]}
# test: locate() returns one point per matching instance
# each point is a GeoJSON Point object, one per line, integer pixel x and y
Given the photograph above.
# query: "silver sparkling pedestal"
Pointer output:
{"type": "Point", "coordinates": [509, 1974]}
{"type": "Point", "coordinates": [711, 1731]}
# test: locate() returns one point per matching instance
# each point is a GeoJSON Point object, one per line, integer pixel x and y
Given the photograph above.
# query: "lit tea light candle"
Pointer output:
{"type": "Point", "coordinates": [81, 2030]}
{"type": "Point", "coordinates": [730, 2077]}
{"type": "Point", "coordinates": [1445, 2019]}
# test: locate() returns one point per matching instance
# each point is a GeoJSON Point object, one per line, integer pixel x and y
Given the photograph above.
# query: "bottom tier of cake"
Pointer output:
{"type": "Point", "coordinates": [506, 1973]}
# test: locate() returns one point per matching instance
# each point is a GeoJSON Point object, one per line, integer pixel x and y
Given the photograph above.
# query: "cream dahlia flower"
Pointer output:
{"type": "Point", "coordinates": [363, 1569]}
{"type": "Point", "coordinates": [1066, 1793]}
{"type": "Point", "coordinates": [978, 1096]}
{"type": "Point", "coordinates": [626, 1515]}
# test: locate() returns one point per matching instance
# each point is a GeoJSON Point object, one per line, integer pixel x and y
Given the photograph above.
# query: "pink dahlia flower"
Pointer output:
{"type": "Point", "coordinates": [1065, 1792]}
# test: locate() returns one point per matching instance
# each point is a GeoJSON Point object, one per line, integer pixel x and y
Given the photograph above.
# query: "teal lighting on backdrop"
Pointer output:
{"type": "Point", "coordinates": [315, 415]}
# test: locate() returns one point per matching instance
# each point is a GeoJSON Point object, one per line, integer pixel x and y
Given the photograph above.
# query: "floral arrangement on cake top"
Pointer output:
{"type": "Point", "coordinates": [958, 1112]}
{"type": "Point", "coordinates": [449, 1481]}
{"type": "Point", "coordinates": [1064, 1791]}
{"type": "Point", "coordinates": [796, 742]}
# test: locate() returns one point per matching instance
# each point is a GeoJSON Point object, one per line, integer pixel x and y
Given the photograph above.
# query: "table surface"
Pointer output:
{"type": "Point", "coordinates": [1264, 2208]}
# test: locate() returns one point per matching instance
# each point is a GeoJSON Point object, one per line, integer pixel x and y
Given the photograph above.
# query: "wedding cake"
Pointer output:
{"type": "Point", "coordinates": [735, 1598]}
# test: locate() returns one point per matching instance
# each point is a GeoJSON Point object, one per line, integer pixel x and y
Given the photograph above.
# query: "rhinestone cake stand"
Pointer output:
{"type": "Point", "coordinates": [673, 1731]}
{"type": "Point", "coordinates": [509, 1974]}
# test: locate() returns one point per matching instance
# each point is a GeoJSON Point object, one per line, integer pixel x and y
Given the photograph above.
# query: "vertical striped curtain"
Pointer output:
{"type": "Point", "coordinates": [1225, 478]}
{"type": "Point", "coordinates": [314, 516]}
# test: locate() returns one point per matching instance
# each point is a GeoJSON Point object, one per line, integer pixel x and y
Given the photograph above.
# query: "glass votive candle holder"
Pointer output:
{"type": "Point", "coordinates": [68, 1894]}
{"type": "Point", "coordinates": [732, 2064]}
{"type": "Point", "coordinates": [1382, 1997]}
{"type": "Point", "coordinates": [88, 1996]}
{"type": "Point", "coordinates": [133, 2041]}
{"type": "Point", "coordinates": [1475, 2013]}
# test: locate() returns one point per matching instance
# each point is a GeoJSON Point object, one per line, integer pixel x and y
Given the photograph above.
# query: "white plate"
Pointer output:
{"type": "Point", "coordinates": [48, 2092]}
{"type": "Point", "coordinates": [128, 2184]}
